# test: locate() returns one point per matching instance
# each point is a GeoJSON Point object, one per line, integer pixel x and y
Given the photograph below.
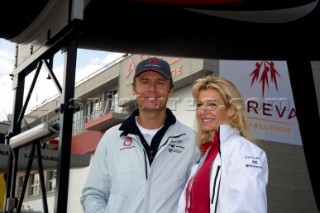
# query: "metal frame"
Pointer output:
{"type": "Point", "coordinates": [35, 147]}
{"type": "Point", "coordinates": [66, 40]}
{"type": "Point", "coordinates": [299, 66]}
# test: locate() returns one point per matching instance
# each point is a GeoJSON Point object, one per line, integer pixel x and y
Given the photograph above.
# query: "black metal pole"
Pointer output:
{"type": "Point", "coordinates": [308, 116]}
{"type": "Point", "coordinates": [13, 154]}
{"type": "Point", "coordinates": [26, 178]}
{"type": "Point", "coordinates": [42, 181]}
{"type": "Point", "coordinates": [65, 135]}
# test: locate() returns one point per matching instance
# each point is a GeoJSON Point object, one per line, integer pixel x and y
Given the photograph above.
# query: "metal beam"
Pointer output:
{"type": "Point", "coordinates": [308, 116]}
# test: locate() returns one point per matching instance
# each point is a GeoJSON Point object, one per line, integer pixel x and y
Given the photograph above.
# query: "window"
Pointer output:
{"type": "Point", "coordinates": [97, 112]}
{"type": "Point", "coordinates": [34, 187]}
{"type": "Point", "coordinates": [111, 101]}
{"type": "Point", "coordinates": [87, 112]}
{"type": "Point", "coordinates": [78, 121]}
{"type": "Point", "coordinates": [97, 105]}
{"type": "Point", "coordinates": [51, 180]}
{"type": "Point", "coordinates": [20, 184]}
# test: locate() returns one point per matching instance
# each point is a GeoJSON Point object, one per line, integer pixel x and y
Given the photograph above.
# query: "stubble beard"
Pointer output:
{"type": "Point", "coordinates": [158, 107]}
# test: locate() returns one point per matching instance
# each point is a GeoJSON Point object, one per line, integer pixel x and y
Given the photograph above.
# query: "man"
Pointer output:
{"type": "Point", "coordinates": [142, 165]}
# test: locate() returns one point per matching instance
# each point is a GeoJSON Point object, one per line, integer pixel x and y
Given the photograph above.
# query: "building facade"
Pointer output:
{"type": "Point", "coordinates": [105, 99]}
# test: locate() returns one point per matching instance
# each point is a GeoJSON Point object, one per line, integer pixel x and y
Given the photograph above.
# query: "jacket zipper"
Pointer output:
{"type": "Point", "coordinates": [215, 185]}
{"type": "Point", "coordinates": [146, 163]}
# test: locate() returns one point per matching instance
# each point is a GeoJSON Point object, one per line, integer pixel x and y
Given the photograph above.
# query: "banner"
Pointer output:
{"type": "Point", "coordinates": [267, 95]}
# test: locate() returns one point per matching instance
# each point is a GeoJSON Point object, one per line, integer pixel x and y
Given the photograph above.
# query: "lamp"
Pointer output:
{"type": "Point", "coordinates": [36, 132]}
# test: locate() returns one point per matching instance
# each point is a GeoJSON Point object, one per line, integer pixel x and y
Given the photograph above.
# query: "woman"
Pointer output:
{"type": "Point", "coordinates": [232, 174]}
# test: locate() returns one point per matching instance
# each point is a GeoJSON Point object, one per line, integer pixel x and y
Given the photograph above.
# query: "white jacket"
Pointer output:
{"type": "Point", "coordinates": [238, 178]}
{"type": "Point", "coordinates": [121, 179]}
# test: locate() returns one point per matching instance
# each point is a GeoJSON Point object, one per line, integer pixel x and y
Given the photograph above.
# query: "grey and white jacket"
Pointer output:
{"type": "Point", "coordinates": [121, 178]}
{"type": "Point", "coordinates": [238, 177]}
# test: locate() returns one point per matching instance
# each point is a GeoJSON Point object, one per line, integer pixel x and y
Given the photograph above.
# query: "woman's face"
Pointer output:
{"type": "Point", "coordinates": [211, 111]}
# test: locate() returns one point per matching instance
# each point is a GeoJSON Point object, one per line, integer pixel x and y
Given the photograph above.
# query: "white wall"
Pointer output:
{"type": "Point", "coordinates": [76, 183]}
{"type": "Point", "coordinates": [181, 104]}
{"type": "Point", "coordinates": [77, 179]}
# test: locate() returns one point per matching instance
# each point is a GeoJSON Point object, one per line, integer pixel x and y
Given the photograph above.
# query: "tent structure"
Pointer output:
{"type": "Point", "coordinates": [219, 29]}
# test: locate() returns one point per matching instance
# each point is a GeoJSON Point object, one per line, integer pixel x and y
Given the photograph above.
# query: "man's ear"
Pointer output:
{"type": "Point", "coordinates": [171, 92]}
{"type": "Point", "coordinates": [133, 89]}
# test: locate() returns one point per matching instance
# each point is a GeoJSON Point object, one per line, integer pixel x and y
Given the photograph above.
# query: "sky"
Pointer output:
{"type": "Point", "coordinates": [88, 61]}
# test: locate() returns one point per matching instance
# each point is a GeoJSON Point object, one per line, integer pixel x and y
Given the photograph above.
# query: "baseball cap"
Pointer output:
{"type": "Point", "coordinates": [154, 64]}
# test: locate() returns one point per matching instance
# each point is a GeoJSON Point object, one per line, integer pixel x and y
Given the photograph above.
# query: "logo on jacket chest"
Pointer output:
{"type": "Point", "coordinates": [127, 143]}
{"type": "Point", "coordinates": [176, 146]}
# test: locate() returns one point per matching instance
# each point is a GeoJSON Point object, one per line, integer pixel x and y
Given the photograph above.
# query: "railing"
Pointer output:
{"type": "Point", "coordinates": [105, 107]}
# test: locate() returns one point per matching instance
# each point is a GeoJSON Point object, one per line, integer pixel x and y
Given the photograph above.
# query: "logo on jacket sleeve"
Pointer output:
{"type": "Point", "coordinates": [253, 162]}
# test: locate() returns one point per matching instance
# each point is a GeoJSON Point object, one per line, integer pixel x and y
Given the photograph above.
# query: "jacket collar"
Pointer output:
{"type": "Point", "coordinates": [129, 125]}
{"type": "Point", "coordinates": [227, 131]}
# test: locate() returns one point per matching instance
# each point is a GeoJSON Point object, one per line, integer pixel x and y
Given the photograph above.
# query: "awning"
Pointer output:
{"type": "Point", "coordinates": [49, 159]}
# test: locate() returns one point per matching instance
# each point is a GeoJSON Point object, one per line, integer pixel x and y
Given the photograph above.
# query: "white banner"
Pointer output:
{"type": "Point", "coordinates": [267, 95]}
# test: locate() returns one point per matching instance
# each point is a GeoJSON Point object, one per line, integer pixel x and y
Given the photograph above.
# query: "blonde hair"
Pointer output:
{"type": "Point", "coordinates": [232, 99]}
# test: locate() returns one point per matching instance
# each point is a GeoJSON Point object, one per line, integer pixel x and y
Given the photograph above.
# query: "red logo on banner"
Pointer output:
{"type": "Point", "coordinates": [268, 72]}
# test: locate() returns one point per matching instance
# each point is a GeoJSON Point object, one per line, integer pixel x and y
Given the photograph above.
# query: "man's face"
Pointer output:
{"type": "Point", "coordinates": [152, 91]}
